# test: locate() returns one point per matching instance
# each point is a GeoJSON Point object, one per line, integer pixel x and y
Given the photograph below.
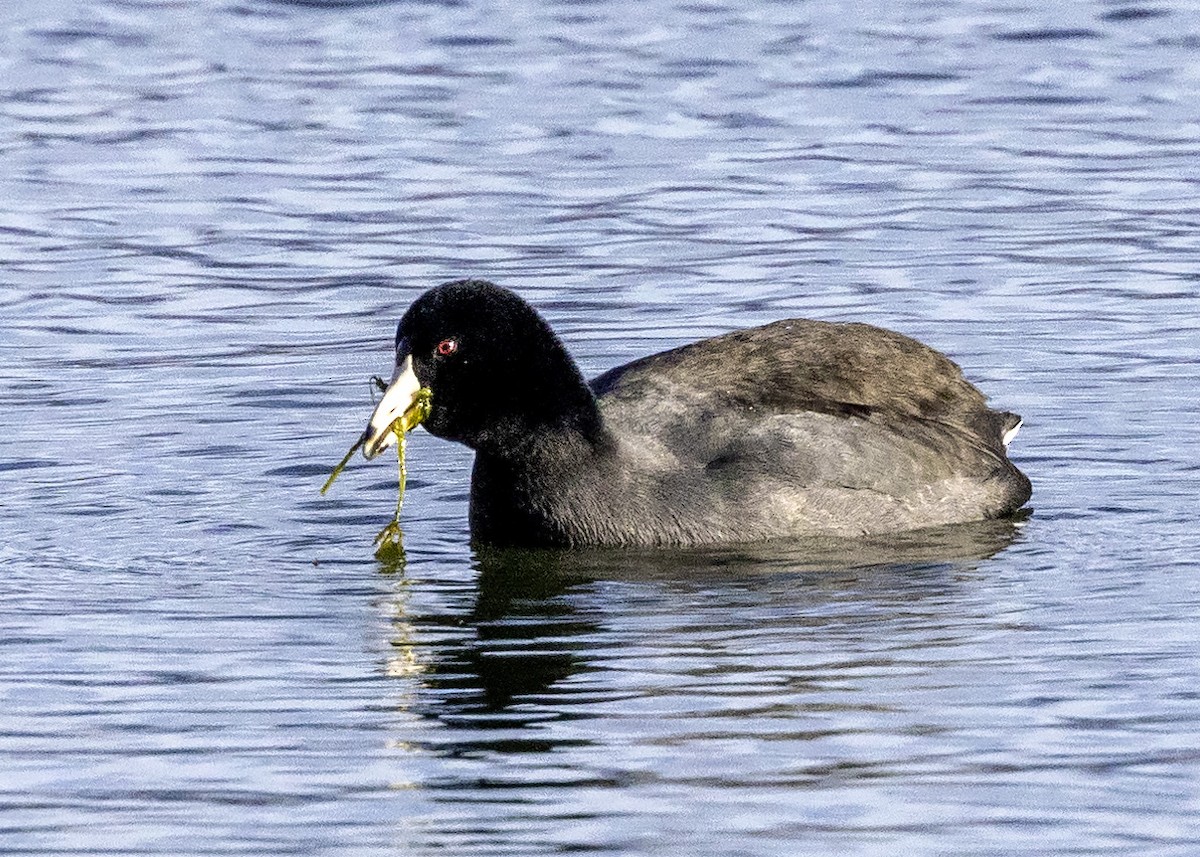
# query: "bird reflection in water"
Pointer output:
{"type": "Point", "coordinates": [536, 619]}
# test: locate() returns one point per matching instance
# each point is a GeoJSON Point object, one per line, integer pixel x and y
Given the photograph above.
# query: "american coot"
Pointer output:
{"type": "Point", "coordinates": [791, 429]}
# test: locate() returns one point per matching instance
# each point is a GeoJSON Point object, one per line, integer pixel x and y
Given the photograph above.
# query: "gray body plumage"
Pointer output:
{"type": "Point", "coordinates": [792, 429]}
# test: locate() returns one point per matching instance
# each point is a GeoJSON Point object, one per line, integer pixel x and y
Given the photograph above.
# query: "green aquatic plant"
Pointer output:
{"type": "Point", "coordinates": [389, 540]}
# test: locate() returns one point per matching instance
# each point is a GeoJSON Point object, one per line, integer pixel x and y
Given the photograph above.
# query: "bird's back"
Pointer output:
{"type": "Point", "coordinates": [800, 427]}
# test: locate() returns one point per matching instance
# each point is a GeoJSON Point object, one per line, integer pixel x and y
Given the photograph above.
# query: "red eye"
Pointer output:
{"type": "Point", "coordinates": [447, 347]}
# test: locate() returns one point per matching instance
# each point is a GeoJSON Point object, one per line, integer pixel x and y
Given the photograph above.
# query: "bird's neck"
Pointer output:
{"type": "Point", "coordinates": [520, 494]}
{"type": "Point", "coordinates": [547, 436]}
{"type": "Point", "coordinates": [541, 410]}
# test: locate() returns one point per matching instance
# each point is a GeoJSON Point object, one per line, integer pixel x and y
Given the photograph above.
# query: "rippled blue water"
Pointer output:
{"type": "Point", "coordinates": [211, 215]}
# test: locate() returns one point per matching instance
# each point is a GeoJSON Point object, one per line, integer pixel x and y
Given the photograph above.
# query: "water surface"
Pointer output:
{"type": "Point", "coordinates": [213, 215]}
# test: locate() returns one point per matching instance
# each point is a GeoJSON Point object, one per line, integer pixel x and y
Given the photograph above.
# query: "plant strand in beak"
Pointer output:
{"type": "Point", "coordinates": [413, 416]}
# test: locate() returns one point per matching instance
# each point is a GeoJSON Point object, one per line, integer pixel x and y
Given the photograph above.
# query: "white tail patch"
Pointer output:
{"type": "Point", "coordinates": [1011, 433]}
